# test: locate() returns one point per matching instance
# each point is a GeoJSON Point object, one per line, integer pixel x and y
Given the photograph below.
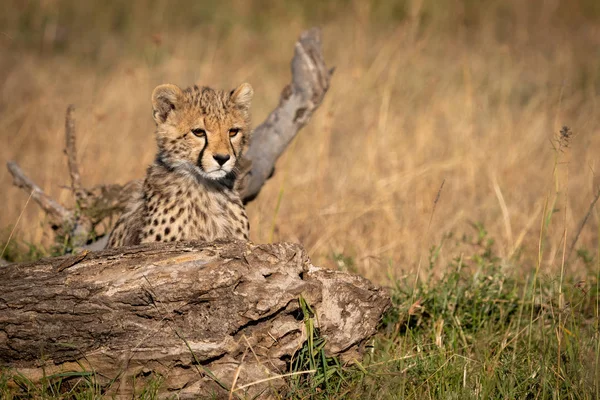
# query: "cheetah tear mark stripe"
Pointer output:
{"type": "Point", "coordinates": [233, 149]}
{"type": "Point", "coordinates": [199, 162]}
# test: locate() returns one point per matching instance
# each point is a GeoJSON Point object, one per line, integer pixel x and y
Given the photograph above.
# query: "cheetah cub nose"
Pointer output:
{"type": "Point", "coordinates": [221, 158]}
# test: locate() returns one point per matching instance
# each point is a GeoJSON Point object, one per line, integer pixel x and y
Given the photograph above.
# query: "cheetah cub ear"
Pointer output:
{"type": "Point", "coordinates": [164, 99]}
{"type": "Point", "coordinates": [242, 96]}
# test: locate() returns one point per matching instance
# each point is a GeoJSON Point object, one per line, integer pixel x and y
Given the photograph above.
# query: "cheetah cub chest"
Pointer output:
{"type": "Point", "coordinates": [189, 192]}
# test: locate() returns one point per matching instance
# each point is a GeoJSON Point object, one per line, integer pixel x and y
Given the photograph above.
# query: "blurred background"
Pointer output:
{"type": "Point", "coordinates": [469, 94]}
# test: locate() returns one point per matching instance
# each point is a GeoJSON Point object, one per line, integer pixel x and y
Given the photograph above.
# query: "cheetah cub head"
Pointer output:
{"type": "Point", "coordinates": [200, 130]}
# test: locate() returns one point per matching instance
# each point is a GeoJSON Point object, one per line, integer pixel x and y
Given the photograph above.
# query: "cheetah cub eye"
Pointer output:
{"type": "Point", "coordinates": [199, 132]}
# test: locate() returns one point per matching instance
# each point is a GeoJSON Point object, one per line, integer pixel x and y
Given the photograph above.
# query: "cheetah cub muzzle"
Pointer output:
{"type": "Point", "coordinates": [189, 192]}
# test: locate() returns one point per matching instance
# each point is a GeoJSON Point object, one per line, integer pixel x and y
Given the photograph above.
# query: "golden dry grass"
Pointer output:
{"type": "Point", "coordinates": [424, 92]}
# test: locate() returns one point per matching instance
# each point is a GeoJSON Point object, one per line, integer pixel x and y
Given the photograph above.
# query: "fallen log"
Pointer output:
{"type": "Point", "coordinates": [207, 318]}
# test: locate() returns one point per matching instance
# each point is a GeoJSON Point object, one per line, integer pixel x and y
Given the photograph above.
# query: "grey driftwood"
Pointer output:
{"type": "Point", "coordinates": [299, 100]}
{"type": "Point", "coordinates": [209, 318]}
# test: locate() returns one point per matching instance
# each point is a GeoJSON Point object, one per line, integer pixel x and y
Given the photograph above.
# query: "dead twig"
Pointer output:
{"type": "Point", "coordinates": [50, 207]}
{"type": "Point", "coordinates": [71, 152]}
{"type": "Point", "coordinates": [72, 261]}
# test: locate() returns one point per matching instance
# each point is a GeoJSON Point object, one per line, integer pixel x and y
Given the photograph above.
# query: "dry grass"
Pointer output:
{"type": "Point", "coordinates": [424, 92]}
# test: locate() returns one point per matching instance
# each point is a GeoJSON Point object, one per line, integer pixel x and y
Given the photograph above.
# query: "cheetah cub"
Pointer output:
{"type": "Point", "coordinates": [189, 191]}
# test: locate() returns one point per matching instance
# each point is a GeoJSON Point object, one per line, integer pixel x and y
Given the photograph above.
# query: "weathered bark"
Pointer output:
{"type": "Point", "coordinates": [299, 99]}
{"type": "Point", "coordinates": [179, 311]}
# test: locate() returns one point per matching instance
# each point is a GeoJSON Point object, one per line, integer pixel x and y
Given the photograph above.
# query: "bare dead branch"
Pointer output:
{"type": "Point", "coordinates": [299, 100]}
{"type": "Point", "coordinates": [71, 152]}
{"type": "Point", "coordinates": [51, 207]}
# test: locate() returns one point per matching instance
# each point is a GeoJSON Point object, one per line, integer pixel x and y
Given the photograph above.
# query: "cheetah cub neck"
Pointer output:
{"type": "Point", "coordinates": [189, 192]}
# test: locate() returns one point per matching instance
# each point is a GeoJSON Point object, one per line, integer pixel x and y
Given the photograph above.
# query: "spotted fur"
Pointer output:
{"type": "Point", "coordinates": [189, 192]}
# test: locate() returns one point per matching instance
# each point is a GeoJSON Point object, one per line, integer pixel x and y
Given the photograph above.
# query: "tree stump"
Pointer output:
{"type": "Point", "coordinates": [208, 318]}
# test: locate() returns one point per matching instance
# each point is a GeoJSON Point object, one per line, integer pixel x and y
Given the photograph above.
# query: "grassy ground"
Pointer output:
{"type": "Point", "coordinates": [441, 114]}
{"type": "Point", "coordinates": [478, 332]}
